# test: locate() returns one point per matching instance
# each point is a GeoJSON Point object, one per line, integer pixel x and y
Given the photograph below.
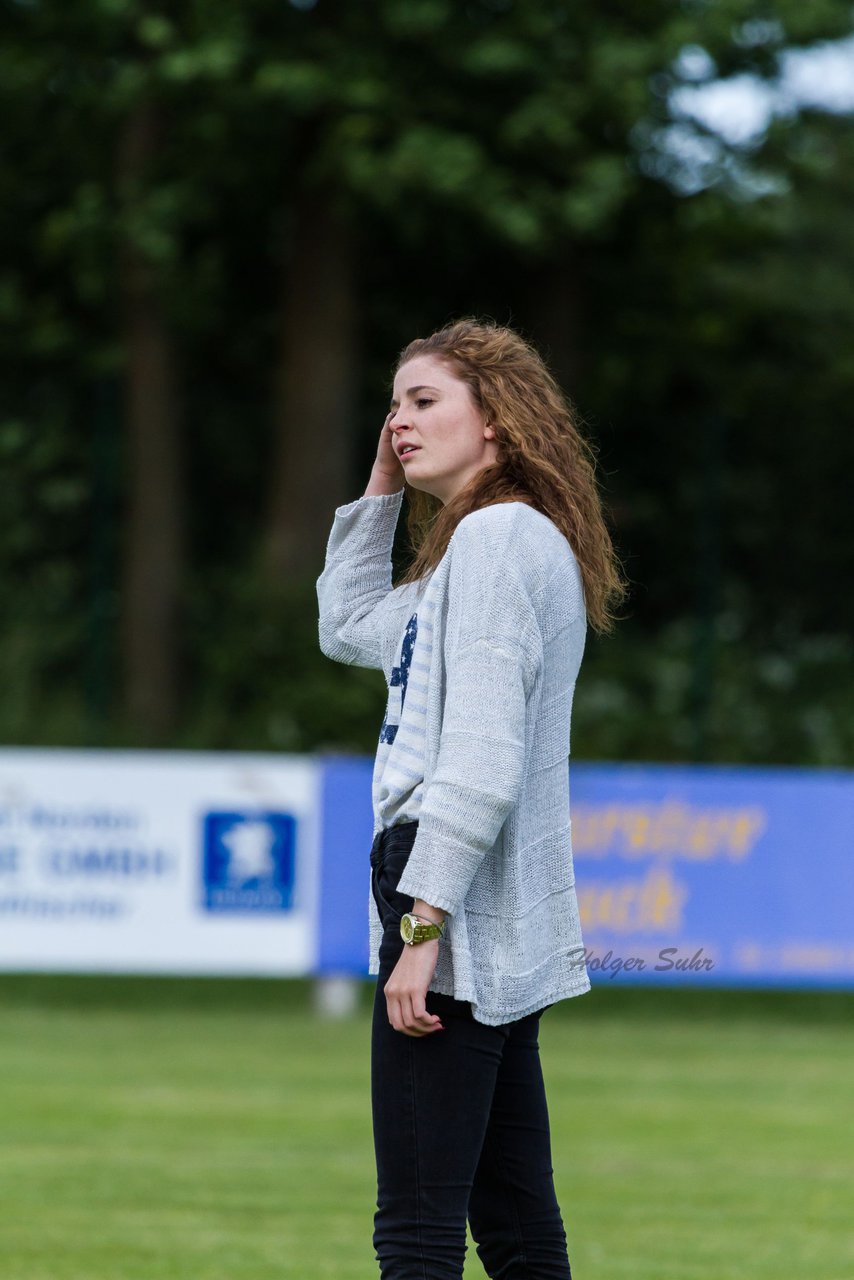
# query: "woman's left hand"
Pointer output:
{"type": "Point", "coordinates": [406, 990]}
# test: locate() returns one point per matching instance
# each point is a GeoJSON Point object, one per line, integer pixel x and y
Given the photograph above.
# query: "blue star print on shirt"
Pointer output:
{"type": "Point", "coordinates": [400, 676]}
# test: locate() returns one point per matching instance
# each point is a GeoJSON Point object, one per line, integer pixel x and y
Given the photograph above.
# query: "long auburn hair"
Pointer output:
{"type": "Point", "coordinates": [543, 459]}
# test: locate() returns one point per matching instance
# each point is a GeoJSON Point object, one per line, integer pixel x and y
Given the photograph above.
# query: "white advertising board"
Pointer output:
{"type": "Point", "coordinates": [158, 862]}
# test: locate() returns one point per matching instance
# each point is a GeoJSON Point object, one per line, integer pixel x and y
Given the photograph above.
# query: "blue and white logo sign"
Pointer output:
{"type": "Point", "coordinates": [248, 861]}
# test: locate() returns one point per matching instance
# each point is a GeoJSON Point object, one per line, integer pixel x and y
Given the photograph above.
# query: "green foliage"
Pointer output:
{"type": "Point", "coordinates": [781, 699]}
{"type": "Point", "coordinates": [489, 157]}
{"type": "Point", "coordinates": [262, 682]}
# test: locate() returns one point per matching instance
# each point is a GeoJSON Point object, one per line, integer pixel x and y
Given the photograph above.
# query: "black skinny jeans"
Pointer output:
{"type": "Point", "coordinates": [461, 1128]}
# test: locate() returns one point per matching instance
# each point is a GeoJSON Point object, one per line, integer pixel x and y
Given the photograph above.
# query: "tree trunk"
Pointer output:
{"type": "Point", "coordinates": [154, 536]}
{"type": "Point", "coordinates": [314, 392]}
{"type": "Point", "coordinates": [553, 306]}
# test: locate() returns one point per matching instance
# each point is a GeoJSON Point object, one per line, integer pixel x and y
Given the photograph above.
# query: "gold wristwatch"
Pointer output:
{"type": "Point", "coordinates": [414, 930]}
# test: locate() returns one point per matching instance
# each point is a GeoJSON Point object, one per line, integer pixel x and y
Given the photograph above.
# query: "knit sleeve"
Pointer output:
{"type": "Point", "coordinates": [492, 653]}
{"type": "Point", "coordinates": [355, 587]}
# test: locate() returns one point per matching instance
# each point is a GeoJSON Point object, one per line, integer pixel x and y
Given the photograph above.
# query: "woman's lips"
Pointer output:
{"type": "Point", "coordinates": [408, 452]}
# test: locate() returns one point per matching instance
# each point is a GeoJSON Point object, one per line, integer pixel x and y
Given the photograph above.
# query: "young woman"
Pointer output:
{"type": "Point", "coordinates": [474, 919]}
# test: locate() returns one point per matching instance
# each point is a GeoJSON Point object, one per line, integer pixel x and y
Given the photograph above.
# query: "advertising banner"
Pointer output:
{"type": "Point", "coordinates": [718, 875]}
{"type": "Point", "coordinates": [158, 862]}
{"type": "Point", "coordinates": [685, 874]}
{"type": "Point", "coordinates": [348, 823]}
{"type": "Point", "coordinates": [196, 862]}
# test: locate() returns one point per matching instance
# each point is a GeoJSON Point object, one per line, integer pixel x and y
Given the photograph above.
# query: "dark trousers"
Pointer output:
{"type": "Point", "coordinates": [461, 1128]}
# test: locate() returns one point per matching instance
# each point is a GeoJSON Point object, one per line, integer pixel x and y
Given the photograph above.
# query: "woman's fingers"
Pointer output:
{"type": "Point", "coordinates": [421, 1018]}
{"type": "Point", "coordinates": [406, 991]}
{"type": "Point", "coordinates": [408, 1014]}
{"type": "Point", "coordinates": [387, 459]}
{"type": "Point", "coordinates": [403, 1019]}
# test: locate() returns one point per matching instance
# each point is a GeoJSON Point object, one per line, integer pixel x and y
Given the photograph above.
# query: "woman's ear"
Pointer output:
{"type": "Point", "coordinates": [489, 432]}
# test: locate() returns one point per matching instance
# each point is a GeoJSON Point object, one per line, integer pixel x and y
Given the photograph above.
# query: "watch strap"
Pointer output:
{"type": "Point", "coordinates": [413, 929]}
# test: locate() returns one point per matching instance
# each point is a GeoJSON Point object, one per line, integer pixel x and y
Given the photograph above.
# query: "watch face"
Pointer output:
{"type": "Point", "coordinates": [407, 928]}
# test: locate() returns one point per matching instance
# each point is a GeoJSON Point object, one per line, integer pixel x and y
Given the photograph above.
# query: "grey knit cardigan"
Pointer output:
{"type": "Point", "coordinates": [493, 847]}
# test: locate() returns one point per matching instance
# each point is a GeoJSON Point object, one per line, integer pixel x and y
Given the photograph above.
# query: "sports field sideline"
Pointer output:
{"type": "Point", "coordinates": [216, 1130]}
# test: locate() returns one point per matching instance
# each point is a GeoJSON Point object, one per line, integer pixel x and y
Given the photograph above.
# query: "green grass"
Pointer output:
{"type": "Point", "coordinates": [192, 1130]}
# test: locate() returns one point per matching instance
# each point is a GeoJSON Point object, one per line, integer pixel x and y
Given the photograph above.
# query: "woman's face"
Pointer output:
{"type": "Point", "coordinates": [434, 410]}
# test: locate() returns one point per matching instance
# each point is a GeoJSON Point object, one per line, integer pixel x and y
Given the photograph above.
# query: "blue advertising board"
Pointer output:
{"type": "Point", "coordinates": [346, 832]}
{"type": "Point", "coordinates": [703, 874]}
{"type": "Point", "coordinates": [722, 875]}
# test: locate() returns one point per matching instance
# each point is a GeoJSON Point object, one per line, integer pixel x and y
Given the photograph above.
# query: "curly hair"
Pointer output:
{"type": "Point", "coordinates": [543, 459]}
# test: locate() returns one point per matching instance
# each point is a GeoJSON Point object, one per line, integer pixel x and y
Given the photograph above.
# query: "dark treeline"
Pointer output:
{"type": "Point", "coordinates": [220, 222]}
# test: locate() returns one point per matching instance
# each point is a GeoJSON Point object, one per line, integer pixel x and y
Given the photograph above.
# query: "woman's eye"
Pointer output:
{"type": "Point", "coordinates": [422, 403]}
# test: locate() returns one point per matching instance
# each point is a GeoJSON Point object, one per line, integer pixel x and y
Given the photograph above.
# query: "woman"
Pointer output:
{"type": "Point", "coordinates": [474, 919]}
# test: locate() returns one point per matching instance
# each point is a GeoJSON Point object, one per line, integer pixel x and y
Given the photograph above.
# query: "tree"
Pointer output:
{"type": "Point", "coordinates": [154, 532]}
{"type": "Point", "coordinates": [239, 213]}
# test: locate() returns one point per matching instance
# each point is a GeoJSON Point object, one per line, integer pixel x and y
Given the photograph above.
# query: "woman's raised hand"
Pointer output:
{"type": "Point", "coordinates": [387, 473]}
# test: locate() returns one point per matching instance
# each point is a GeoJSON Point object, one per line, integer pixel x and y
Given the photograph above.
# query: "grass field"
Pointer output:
{"type": "Point", "coordinates": [192, 1130]}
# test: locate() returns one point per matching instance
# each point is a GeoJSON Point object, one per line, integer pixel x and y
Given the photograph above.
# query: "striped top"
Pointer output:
{"type": "Point", "coordinates": [398, 780]}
